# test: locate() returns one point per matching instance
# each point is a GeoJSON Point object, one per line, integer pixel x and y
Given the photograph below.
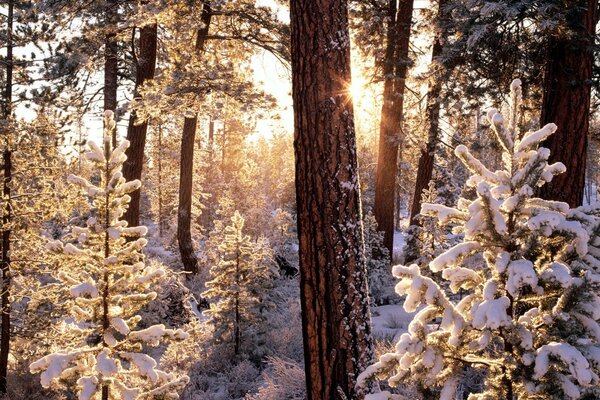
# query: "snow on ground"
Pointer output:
{"type": "Point", "coordinates": [390, 321]}
{"type": "Point", "coordinates": [399, 242]}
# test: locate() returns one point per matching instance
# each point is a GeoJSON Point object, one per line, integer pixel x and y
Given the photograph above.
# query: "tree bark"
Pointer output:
{"type": "Point", "coordinates": [425, 168]}
{"type": "Point", "coordinates": [390, 134]}
{"type": "Point", "coordinates": [111, 61]}
{"type": "Point", "coordinates": [7, 210]}
{"type": "Point", "coordinates": [184, 232]}
{"type": "Point", "coordinates": [137, 130]}
{"type": "Point", "coordinates": [566, 102]}
{"type": "Point", "coordinates": [335, 306]}
{"type": "Point", "coordinates": [161, 217]}
{"type": "Point", "coordinates": [186, 171]}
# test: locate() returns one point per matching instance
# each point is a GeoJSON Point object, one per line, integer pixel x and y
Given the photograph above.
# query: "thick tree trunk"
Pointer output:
{"type": "Point", "coordinates": [335, 307]}
{"type": "Point", "coordinates": [111, 61]}
{"type": "Point", "coordinates": [136, 132]}
{"type": "Point", "coordinates": [186, 171]}
{"type": "Point", "coordinates": [425, 168]}
{"type": "Point", "coordinates": [390, 135]}
{"type": "Point", "coordinates": [566, 102]}
{"type": "Point", "coordinates": [7, 210]}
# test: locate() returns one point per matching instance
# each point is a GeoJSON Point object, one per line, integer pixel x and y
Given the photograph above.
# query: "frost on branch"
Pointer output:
{"type": "Point", "coordinates": [108, 283]}
{"type": "Point", "coordinates": [522, 309]}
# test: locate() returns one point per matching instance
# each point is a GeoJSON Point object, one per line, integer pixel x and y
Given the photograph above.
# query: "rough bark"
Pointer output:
{"type": "Point", "coordinates": [425, 168]}
{"type": "Point", "coordinates": [390, 134]}
{"type": "Point", "coordinates": [335, 307]}
{"type": "Point", "coordinates": [137, 130]}
{"type": "Point", "coordinates": [566, 102]}
{"type": "Point", "coordinates": [186, 171]}
{"type": "Point", "coordinates": [7, 211]}
{"type": "Point", "coordinates": [111, 61]}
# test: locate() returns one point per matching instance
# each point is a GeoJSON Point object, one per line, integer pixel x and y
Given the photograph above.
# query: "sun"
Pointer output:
{"type": "Point", "coordinates": [357, 89]}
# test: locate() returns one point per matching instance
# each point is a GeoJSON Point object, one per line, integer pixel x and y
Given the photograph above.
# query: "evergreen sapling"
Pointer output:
{"type": "Point", "coordinates": [108, 283]}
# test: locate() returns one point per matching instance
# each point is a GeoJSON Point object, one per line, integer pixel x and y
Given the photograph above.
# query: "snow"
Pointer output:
{"type": "Point", "coordinates": [533, 138]}
{"type": "Point", "coordinates": [120, 325]}
{"type": "Point", "coordinates": [84, 289]}
{"type": "Point", "coordinates": [52, 366]}
{"type": "Point", "coordinates": [153, 334]}
{"type": "Point", "coordinates": [491, 313]}
{"type": "Point", "coordinates": [575, 361]}
{"type": "Point", "coordinates": [454, 255]}
{"type": "Point", "coordinates": [390, 320]}
{"type": "Point", "coordinates": [145, 364]}
{"type": "Point", "coordinates": [521, 273]}
{"type": "Point", "coordinates": [105, 365]}
{"type": "Point", "coordinates": [88, 385]}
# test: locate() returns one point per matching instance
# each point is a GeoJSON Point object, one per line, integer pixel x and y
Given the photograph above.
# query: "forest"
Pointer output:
{"type": "Point", "coordinates": [299, 200]}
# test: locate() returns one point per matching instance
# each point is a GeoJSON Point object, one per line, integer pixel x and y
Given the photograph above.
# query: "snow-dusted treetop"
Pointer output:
{"type": "Point", "coordinates": [524, 300]}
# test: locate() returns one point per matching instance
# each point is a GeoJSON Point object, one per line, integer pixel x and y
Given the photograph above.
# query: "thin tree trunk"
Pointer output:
{"type": "Point", "coordinates": [161, 217]}
{"type": "Point", "coordinates": [184, 231]}
{"type": "Point", "coordinates": [425, 168]}
{"type": "Point", "coordinates": [186, 171]}
{"type": "Point", "coordinates": [236, 328]}
{"type": "Point", "coordinates": [7, 211]}
{"type": "Point", "coordinates": [566, 102]}
{"type": "Point", "coordinates": [136, 131]}
{"type": "Point", "coordinates": [111, 61]}
{"type": "Point", "coordinates": [334, 298]}
{"type": "Point", "coordinates": [6, 274]}
{"type": "Point", "coordinates": [395, 69]}
{"type": "Point", "coordinates": [106, 290]}
{"type": "Point", "coordinates": [206, 216]}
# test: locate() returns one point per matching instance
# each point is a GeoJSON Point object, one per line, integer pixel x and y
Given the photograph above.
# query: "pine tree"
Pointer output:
{"type": "Point", "coordinates": [239, 289]}
{"type": "Point", "coordinates": [529, 318]}
{"type": "Point", "coordinates": [108, 283]}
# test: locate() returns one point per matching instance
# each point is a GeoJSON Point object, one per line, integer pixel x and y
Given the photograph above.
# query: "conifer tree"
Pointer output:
{"type": "Point", "coordinates": [529, 316]}
{"type": "Point", "coordinates": [108, 283]}
{"type": "Point", "coordinates": [239, 288]}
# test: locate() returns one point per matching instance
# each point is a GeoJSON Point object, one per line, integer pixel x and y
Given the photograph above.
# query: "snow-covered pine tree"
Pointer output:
{"type": "Point", "coordinates": [529, 319]}
{"type": "Point", "coordinates": [108, 283]}
{"type": "Point", "coordinates": [238, 291]}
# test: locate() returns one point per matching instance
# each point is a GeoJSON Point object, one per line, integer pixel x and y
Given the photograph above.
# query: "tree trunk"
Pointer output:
{"type": "Point", "coordinates": [186, 171]}
{"type": "Point", "coordinates": [237, 321]}
{"type": "Point", "coordinates": [161, 217]}
{"type": "Point", "coordinates": [395, 69]}
{"type": "Point", "coordinates": [7, 211]}
{"type": "Point", "coordinates": [111, 61]}
{"type": "Point", "coordinates": [136, 131]}
{"type": "Point", "coordinates": [335, 307]}
{"type": "Point", "coordinates": [566, 102]}
{"type": "Point", "coordinates": [425, 168]}
{"type": "Point", "coordinates": [106, 289]}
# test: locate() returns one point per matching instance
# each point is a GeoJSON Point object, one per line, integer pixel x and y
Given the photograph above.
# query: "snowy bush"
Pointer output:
{"type": "Point", "coordinates": [284, 379]}
{"type": "Point", "coordinates": [528, 317]}
{"type": "Point", "coordinates": [108, 283]}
